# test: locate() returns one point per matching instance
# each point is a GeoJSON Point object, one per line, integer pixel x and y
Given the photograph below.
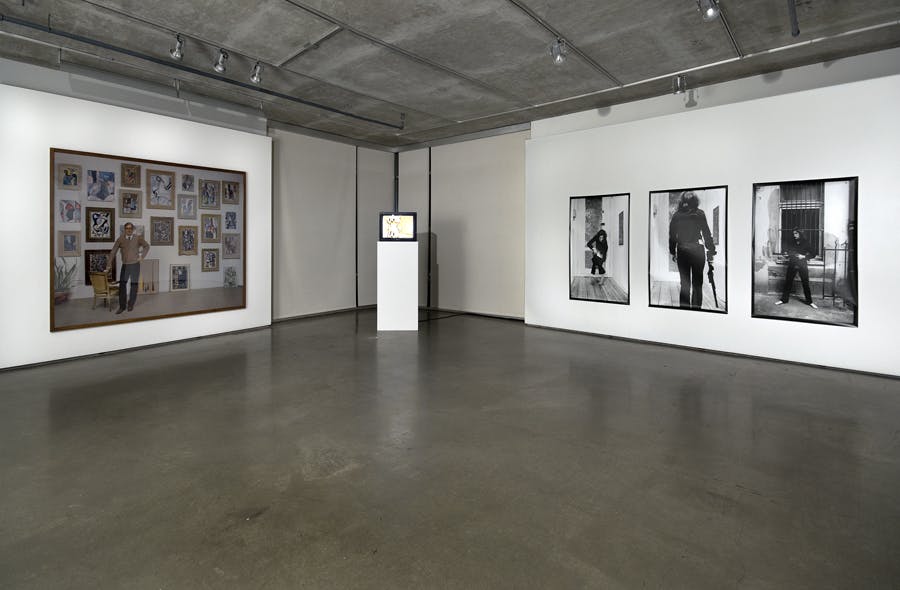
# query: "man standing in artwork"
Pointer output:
{"type": "Point", "coordinates": [599, 247]}
{"type": "Point", "coordinates": [134, 249]}
{"type": "Point", "coordinates": [799, 251]}
{"type": "Point", "coordinates": [691, 246]}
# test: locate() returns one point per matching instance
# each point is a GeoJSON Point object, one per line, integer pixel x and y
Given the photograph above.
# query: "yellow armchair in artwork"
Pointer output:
{"type": "Point", "coordinates": [104, 289]}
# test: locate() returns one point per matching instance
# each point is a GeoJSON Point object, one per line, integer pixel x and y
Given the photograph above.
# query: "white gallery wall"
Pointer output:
{"type": "Point", "coordinates": [375, 171]}
{"type": "Point", "coordinates": [841, 130]}
{"type": "Point", "coordinates": [413, 196]}
{"type": "Point", "coordinates": [477, 222]}
{"type": "Point", "coordinates": [314, 225]}
{"type": "Point", "coordinates": [32, 123]}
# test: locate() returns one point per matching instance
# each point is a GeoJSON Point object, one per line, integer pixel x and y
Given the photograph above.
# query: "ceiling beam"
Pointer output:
{"type": "Point", "coordinates": [572, 47]}
{"type": "Point", "coordinates": [413, 56]}
{"type": "Point", "coordinates": [190, 70]}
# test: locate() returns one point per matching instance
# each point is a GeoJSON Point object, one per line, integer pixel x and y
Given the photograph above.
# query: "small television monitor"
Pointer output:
{"type": "Point", "coordinates": [397, 226]}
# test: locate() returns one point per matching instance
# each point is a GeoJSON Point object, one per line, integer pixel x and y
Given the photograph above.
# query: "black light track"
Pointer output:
{"type": "Point", "coordinates": [196, 72]}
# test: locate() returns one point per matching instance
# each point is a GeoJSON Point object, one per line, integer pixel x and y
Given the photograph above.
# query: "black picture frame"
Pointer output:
{"type": "Point", "coordinates": [799, 206]}
{"type": "Point", "coordinates": [656, 296]}
{"type": "Point", "coordinates": [618, 234]}
{"type": "Point", "coordinates": [382, 226]}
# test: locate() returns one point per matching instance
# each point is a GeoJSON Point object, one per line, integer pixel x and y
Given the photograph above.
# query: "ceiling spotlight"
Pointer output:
{"type": "Point", "coordinates": [679, 84]}
{"type": "Point", "coordinates": [219, 66]}
{"type": "Point", "coordinates": [709, 9]}
{"type": "Point", "coordinates": [177, 51]}
{"type": "Point", "coordinates": [559, 51]}
{"type": "Point", "coordinates": [254, 74]}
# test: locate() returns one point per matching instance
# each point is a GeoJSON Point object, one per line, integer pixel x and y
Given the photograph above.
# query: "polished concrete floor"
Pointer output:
{"type": "Point", "coordinates": [476, 453]}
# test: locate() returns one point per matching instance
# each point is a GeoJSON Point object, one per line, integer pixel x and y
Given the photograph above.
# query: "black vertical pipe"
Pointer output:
{"type": "Point", "coordinates": [795, 24]}
{"type": "Point", "coordinates": [356, 223]}
{"type": "Point", "coordinates": [428, 272]}
{"type": "Point", "coordinates": [396, 182]}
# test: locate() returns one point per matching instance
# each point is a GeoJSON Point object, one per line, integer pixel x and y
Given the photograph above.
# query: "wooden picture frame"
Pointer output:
{"type": "Point", "coordinates": [99, 224]}
{"type": "Point", "coordinates": [210, 192]}
{"type": "Point", "coordinates": [160, 189]}
{"type": "Point", "coordinates": [131, 204]}
{"type": "Point", "coordinates": [68, 244]}
{"type": "Point", "coordinates": [187, 206]}
{"type": "Point", "coordinates": [231, 246]}
{"type": "Point", "coordinates": [69, 177]}
{"type": "Point", "coordinates": [209, 260]}
{"type": "Point", "coordinates": [130, 176]}
{"type": "Point", "coordinates": [179, 277]}
{"type": "Point", "coordinates": [68, 211]}
{"type": "Point", "coordinates": [162, 231]}
{"type": "Point", "coordinates": [101, 186]}
{"type": "Point", "coordinates": [88, 228]}
{"type": "Point", "coordinates": [231, 193]}
{"type": "Point", "coordinates": [98, 261]}
{"type": "Point", "coordinates": [187, 240]}
{"type": "Point", "coordinates": [211, 228]}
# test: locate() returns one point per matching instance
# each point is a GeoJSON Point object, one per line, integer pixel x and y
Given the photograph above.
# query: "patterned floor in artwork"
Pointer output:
{"type": "Point", "coordinates": [76, 312]}
{"type": "Point", "coordinates": [666, 294]}
{"type": "Point", "coordinates": [597, 289]}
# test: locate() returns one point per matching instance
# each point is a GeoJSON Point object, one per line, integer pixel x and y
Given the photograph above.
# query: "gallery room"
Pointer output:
{"type": "Point", "coordinates": [499, 294]}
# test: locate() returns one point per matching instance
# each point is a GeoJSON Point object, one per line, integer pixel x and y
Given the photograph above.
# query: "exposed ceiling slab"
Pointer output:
{"type": "Point", "coordinates": [396, 73]}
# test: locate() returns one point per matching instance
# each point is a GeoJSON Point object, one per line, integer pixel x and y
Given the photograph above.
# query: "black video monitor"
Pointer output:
{"type": "Point", "coordinates": [397, 227]}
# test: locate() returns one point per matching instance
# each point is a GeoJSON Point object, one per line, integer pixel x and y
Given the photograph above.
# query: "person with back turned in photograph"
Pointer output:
{"type": "Point", "coordinates": [799, 251]}
{"type": "Point", "coordinates": [134, 249]}
{"type": "Point", "coordinates": [599, 247]}
{"type": "Point", "coordinates": [691, 246]}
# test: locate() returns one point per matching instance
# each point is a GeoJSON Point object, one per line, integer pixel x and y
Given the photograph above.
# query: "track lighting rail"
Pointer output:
{"type": "Point", "coordinates": [181, 67]}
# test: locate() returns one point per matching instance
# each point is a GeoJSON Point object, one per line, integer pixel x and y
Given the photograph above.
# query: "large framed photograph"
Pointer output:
{"type": "Point", "coordinates": [688, 249]}
{"type": "Point", "coordinates": [598, 248]}
{"type": "Point", "coordinates": [804, 251]}
{"type": "Point", "coordinates": [90, 193]}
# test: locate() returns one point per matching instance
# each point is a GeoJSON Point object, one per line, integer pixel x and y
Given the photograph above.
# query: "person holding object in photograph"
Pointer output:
{"type": "Point", "coordinates": [799, 251]}
{"type": "Point", "coordinates": [134, 249]}
{"type": "Point", "coordinates": [691, 246]}
{"type": "Point", "coordinates": [599, 247]}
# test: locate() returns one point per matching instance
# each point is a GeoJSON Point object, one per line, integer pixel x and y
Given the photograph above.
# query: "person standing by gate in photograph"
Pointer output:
{"type": "Point", "coordinates": [799, 251]}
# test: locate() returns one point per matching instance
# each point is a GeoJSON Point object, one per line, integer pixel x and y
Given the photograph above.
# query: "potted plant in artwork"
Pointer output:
{"type": "Point", "coordinates": [63, 278]}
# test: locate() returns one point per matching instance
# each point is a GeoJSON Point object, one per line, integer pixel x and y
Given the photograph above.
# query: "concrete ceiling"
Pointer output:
{"type": "Point", "coordinates": [402, 72]}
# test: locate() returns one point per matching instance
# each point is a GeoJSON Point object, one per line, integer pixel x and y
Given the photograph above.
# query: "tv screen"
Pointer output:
{"type": "Point", "coordinates": [398, 226]}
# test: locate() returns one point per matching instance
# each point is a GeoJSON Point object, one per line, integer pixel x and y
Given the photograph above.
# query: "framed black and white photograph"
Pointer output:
{"type": "Point", "coordinates": [598, 248]}
{"type": "Point", "coordinates": [688, 250]}
{"type": "Point", "coordinates": [804, 251]}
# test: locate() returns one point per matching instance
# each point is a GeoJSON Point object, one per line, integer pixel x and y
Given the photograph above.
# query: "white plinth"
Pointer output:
{"type": "Point", "coordinates": [398, 285]}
